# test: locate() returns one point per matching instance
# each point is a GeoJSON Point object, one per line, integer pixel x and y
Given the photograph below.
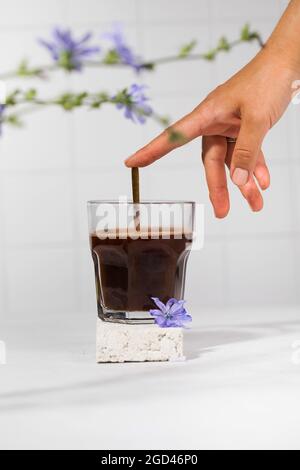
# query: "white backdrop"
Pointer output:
{"type": "Point", "coordinates": [49, 169]}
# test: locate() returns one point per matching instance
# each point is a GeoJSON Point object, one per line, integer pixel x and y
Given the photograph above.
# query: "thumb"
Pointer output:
{"type": "Point", "coordinates": [247, 148]}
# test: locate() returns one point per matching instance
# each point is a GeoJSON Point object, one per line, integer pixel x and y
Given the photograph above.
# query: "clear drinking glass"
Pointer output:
{"type": "Point", "coordinates": [139, 251]}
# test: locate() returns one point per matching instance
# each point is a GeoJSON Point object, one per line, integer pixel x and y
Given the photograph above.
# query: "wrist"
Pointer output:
{"type": "Point", "coordinates": [283, 44]}
{"type": "Point", "coordinates": [278, 53]}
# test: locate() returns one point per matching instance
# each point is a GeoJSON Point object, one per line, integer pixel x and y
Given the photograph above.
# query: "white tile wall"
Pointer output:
{"type": "Point", "coordinates": [164, 41]}
{"type": "Point", "coordinates": [237, 9]}
{"type": "Point", "coordinates": [102, 140]}
{"type": "Point", "coordinates": [293, 148]}
{"type": "Point", "coordinates": [15, 44]}
{"type": "Point", "coordinates": [41, 144]}
{"type": "Point", "coordinates": [277, 216]}
{"type": "Point", "coordinates": [295, 175]}
{"type": "Point", "coordinates": [51, 168]}
{"type": "Point", "coordinates": [229, 63]}
{"type": "Point", "coordinates": [38, 209]}
{"type": "Point", "coordinates": [2, 280]}
{"type": "Point", "coordinates": [41, 281]}
{"type": "Point", "coordinates": [30, 13]}
{"type": "Point", "coordinates": [100, 11]}
{"type": "Point", "coordinates": [249, 280]}
{"type": "Point", "coordinates": [164, 11]}
{"type": "Point", "coordinates": [206, 278]}
{"type": "Point", "coordinates": [277, 144]}
{"type": "Point", "coordinates": [99, 185]}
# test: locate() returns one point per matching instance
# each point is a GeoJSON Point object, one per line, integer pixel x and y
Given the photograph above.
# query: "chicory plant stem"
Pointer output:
{"type": "Point", "coordinates": [41, 71]}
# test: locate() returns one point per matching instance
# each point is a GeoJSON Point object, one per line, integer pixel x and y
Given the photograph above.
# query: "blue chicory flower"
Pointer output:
{"type": "Point", "coordinates": [2, 109]}
{"type": "Point", "coordinates": [125, 54]}
{"type": "Point", "coordinates": [171, 314]}
{"type": "Point", "coordinates": [136, 106]}
{"type": "Point", "coordinates": [67, 51]}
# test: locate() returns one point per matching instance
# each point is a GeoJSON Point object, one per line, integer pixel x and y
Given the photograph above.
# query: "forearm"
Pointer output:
{"type": "Point", "coordinates": [284, 42]}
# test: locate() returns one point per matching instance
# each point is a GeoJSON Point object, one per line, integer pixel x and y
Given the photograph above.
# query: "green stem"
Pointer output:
{"type": "Point", "coordinates": [145, 65]}
{"type": "Point", "coordinates": [24, 107]}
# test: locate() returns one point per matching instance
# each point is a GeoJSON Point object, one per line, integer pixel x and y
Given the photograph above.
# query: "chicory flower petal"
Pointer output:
{"type": "Point", "coordinates": [172, 314]}
{"type": "Point", "coordinates": [67, 51]}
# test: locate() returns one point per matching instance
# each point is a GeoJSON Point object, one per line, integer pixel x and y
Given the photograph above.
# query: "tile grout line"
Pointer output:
{"type": "Point", "coordinates": [225, 250]}
{"type": "Point", "coordinates": [72, 171]}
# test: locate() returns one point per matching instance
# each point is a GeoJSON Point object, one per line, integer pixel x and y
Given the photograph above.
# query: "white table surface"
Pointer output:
{"type": "Point", "coordinates": [238, 388]}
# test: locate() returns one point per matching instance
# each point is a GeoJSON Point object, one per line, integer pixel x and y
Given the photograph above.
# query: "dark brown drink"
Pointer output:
{"type": "Point", "coordinates": [129, 272]}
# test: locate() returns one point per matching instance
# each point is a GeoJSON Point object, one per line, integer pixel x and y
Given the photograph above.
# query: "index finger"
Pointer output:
{"type": "Point", "coordinates": [186, 129]}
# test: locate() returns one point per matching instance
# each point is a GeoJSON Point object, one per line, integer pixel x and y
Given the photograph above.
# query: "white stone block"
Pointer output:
{"type": "Point", "coordinates": [118, 342]}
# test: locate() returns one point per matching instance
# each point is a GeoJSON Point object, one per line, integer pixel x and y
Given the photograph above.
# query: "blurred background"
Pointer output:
{"type": "Point", "coordinates": [50, 168]}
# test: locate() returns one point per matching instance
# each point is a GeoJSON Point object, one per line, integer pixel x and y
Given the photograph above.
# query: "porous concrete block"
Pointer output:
{"type": "Point", "coordinates": [118, 342]}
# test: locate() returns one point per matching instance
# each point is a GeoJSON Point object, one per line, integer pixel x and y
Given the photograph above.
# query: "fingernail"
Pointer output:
{"type": "Point", "coordinates": [240, 176]}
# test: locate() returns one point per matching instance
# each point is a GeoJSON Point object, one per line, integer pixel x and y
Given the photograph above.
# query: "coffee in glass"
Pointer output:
{"type": "Point", "coordinates": [136, 261]}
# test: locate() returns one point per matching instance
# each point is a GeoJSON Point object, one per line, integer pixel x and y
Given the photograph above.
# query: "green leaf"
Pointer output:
{"type": "Point", "coordinates": [148, 66]}
{"type": "Point", "coordinates": [69, 101]}
{"type": "Point", "coordinates": [210, 55]}
{"type": "Point", "coordinates": [164, 120]}
{"type": "Point", "coordinates": [223, 44]}
{"type": "Point", "coordinates": [79, 99]}
{"type": "Point", "coordinates": [14, 120]}
{"type": "Point", "coordinates": [99, 99]}
{"type": "Point", "coordinates": [65, 61]}
{"type": "Point", "coordinates": [112, 57]}
{"type": "Point", "coordinates": [11, 99]}
{"type": "Point", "coordinates": [23, 68]}
{"type": "Point", "coordinates": [103, 96]}
{"type": "Point", "coordinates": [187, 49]}
{"type": "Point", "coordinates": [245, 33]}
{"type": "Point", "coordinates": [24, 71]}
{"type": "Point", "coordinates": [123, 97]}
{"type": "Point", "coordinates": [66, 101]}
{"type": "Point", "coordinates": [96, 105]}
{"type": "Point", "coordinates": [248, 35]}
{"type": "Point", "coordinates": [30, 95]}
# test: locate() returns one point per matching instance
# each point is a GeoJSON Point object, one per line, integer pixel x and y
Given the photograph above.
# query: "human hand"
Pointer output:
{"type": "Point", "coordinates": [245, 108]}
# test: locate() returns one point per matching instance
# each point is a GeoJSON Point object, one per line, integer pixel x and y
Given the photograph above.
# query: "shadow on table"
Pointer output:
{"type": "Point", "coordinates": [199, 343]}
{"type": "Point", "coordinates": [118, 386]}
{"type": "Point", "coordinates": [203, 341]}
